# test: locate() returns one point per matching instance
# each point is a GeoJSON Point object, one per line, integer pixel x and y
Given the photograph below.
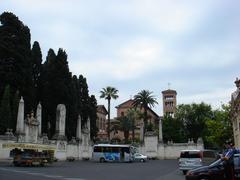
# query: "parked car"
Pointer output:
{"type": "Point", "coordinates": [214, 170]}
{"type": "Point", "coordinates": [140, 157]}
{"type": "Point", "coordinates": [190, 159]}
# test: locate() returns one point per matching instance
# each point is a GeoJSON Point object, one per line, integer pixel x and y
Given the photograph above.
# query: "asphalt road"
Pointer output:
{"type": "Point", "coordinates": [88, 170]}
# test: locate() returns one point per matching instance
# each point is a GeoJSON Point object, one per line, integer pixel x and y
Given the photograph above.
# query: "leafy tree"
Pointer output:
{"type": "Point", "coordinates": [14, 109]}
{"type": "Point", "coordinates": [51, 83]}
{"type": "Point", "coordinates": [15, 63]}
{"type": "Point", "coordinates": [36, 61]}
{"type": "Point", "coordinates": [93, 117]}
{"type": "Point", "coordinates": [123, 124]}
{"type": "Point", "coordinates": [57, 82]}
{"type": "Point", "coordinates": [48, 94]}
{"type": "Point", "coordinates": [109, 93]}
{"type": "Point", "coordinates": [144, 99]}
{"type": "Point", "coordinates": [173, 130]}
{"type": "Point", "coordinates": [219, 128]}
{"type": "Point", "coordinates": [83, 106]}
{"type": "Point", "coordinates": [5, 111]}
{"type": "Point", "coordinates": [134, 115]}
{"type": "Point", "coordinates": [71, 123]}
{"type": "Point", "coordinates": [194, 117]}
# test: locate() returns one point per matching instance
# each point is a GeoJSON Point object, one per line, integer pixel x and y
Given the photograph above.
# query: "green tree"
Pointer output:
{"type": "Point", "coordinates": [123, 124]}
{"type": "Point", "coordinates": [5, 111]}
{"type": "Point", "coordinates": [15, 65]}
{"type": "Point", "coordinates": [173, 130]}
{"type": "Point", "coordinates": [14, 107]}
{"type": "Point", "coordinates": [93, 116]}
{"type": "Point", "coordinates": [134, 116]}
{"type": "Point", "coordinates": [194, 117]}
{"type": "Point", "coordinates": [56, 86]}
{"type": "Point", "coordinates": [218, 128]}
{"type": "Point", "coordinates": [36, 60]}
{"type": "Point", "coordinates": [84, 99]}
{"type": "Point", "coordinates": [144, 99]}
{"type": "Point", "coordinates": [109, 93]}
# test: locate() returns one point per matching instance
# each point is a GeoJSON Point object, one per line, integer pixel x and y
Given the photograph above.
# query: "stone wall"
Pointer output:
{"type": "Point", "coordinates": [153, 149]}
{"type": "Point", "coordinates": [79, 151]}
{"type": "Point", "coordinates": [4, 153]}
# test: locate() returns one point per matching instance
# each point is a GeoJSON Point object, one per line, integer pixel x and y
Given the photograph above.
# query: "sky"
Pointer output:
{"type": "Point", "coordinates": [192, 47]}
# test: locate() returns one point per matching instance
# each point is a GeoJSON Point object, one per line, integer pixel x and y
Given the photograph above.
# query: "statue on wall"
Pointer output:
{"type": "Point", "coordinates": [31, 128]}
{"type": "Point", "coordinates": [235, 100]}
{"type": "Point", "coordinates": [236, 94]}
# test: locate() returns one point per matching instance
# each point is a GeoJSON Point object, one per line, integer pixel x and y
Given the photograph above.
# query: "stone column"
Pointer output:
{"type": "Point", "coordinates": [89, 128]}
{"type": "Point", "coordinates": [20, 117]}
{"type": "Point", "coordinates": [60, 122]}
{"type": "Point", "coordinates": [39, 119]}
{"type": "Point", "coordinates": [160, 131]}
{"type": "Point", "coordinates": [79, 127]}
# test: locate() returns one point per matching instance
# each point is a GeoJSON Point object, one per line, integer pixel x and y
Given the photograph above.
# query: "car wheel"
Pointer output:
{"type": "Point", "coordinates": [184, 172]}
{"type": "Point", "coordinates": [142, 160]}
{"type": "Point", "coordinates": [102, 160]}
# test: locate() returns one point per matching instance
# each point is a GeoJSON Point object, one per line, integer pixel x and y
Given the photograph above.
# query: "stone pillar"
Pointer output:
{"type": "Point", "coordinates": [79, 127]}
{"type": "Point", "coordinates": [20, 117]}
{"type": "Point", "coordinates": [160, 131]}
{"type": "Point", "coordinates": [39, 119]}
{"type": "Point", "coordinates": [60, 122]}
{"type": "Point", "coordinates": [89, 128]}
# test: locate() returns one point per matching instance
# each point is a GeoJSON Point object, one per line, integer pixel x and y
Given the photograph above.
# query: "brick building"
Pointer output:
{"type": "Point", "coordinates": [169, 102]}
{"type": "Point", "coordinates": [101, 122]}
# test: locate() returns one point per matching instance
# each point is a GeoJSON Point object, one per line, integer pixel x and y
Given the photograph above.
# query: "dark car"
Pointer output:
{"type": "Point", "coordinates": [214, 171]}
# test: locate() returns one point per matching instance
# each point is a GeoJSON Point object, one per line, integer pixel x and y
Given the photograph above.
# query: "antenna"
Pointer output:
{"type": "Point", "coordinates": [169, 84]}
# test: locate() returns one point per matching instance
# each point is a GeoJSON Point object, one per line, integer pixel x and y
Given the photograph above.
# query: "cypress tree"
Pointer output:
{"type": "Point", "coordinates": [14, 106]}
{"type": "Point", "coordinates": [36, 61]}
{"type": "Point", "coordinates": [15, 57]}
{"type": "Point", "coordinates": [56, 86]}
{"type": "Point", "coordinates": [71, 122]}
{"type": "Point", "coordinates": [83, 99]}
{"type": "Point", "coordinates": [93, 116]}
{"type": "Point", "coordinates": [47, 97]}
{"type": "Point", "coordinates": [5, 111]}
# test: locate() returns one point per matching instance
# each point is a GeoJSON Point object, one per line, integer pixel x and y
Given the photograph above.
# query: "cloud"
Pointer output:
{"type": "Point", "coordinates": [142, 44]}
{"type": "Point", "coordinates": [132, 61]}
{"type": "Point", "coordinates": [215, 97]}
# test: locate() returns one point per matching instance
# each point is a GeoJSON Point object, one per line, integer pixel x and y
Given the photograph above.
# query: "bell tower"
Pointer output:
{"type": "Point", "coordinates": [169, 102]}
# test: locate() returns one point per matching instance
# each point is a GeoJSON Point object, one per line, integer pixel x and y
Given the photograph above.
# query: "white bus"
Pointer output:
{"type": "Point", "coordinates": [113, 153]}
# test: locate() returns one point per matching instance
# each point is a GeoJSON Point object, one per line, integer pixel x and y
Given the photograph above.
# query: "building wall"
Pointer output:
{"type": "Point", "coordinates": [101, 123]}
{"type": "Point", "coordinates": [235, 113]}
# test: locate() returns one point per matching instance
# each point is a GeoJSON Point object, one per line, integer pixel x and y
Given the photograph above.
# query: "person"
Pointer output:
{"type": "Point", "coordinates": [228, 157]}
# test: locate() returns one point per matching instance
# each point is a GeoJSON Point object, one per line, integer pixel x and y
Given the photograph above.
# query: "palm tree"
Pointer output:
{"type": "Point", "coordinates": [109, 93]}
{"type": "Point", "coordinates": [144, 99]}
{"type": "Point", "coordinates": [123, 124]}
{"type": "Point", "coordinates": [133, 115]}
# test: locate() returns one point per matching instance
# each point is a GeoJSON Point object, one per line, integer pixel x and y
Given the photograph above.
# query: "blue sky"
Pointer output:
{"type": "Point", "coordinates": [142, 44]}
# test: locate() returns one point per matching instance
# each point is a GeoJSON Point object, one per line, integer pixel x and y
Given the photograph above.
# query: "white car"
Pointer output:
{"type": "Point", "coordinates": [140, 157]}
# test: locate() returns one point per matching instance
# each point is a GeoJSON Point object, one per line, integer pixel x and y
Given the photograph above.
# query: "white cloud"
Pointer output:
{"type": "Point", "coordinates": [117, 41]}
{"type": "Point", "coordinates": [216, 97]}
{"type": "Point", "coordinates": [132, 61]}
